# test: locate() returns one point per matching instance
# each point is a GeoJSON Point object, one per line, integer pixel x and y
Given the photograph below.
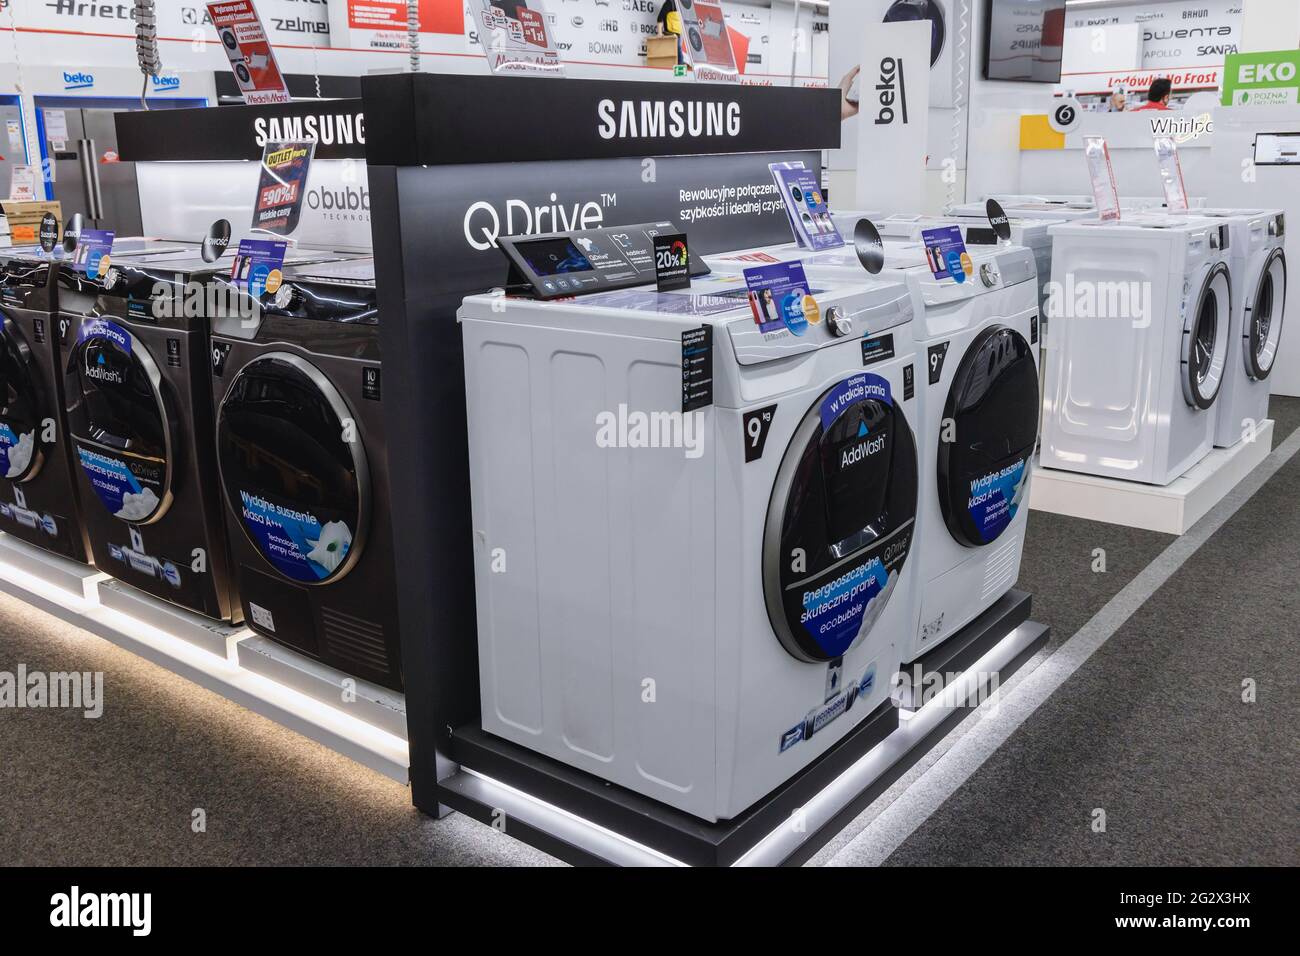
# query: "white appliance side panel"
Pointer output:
{"type": "Point", "coordinates": [1106, 333]}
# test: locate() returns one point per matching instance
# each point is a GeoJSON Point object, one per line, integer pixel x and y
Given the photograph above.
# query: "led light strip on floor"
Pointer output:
{"type": "Point", "coordinates": [30, 575]}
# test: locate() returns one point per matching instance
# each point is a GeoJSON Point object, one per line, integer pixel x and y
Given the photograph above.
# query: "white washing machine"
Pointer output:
{"type": "Point", "coordinates": [977, 341]}
{"type": "Point", "coordinates": [1137, 345]}
{"type": "Point", "coordinates": [1257, 259]}
{"type": "Point", "coordinates": [1065, 208]}
{"type": "Point", "coordinates": [692, 605]}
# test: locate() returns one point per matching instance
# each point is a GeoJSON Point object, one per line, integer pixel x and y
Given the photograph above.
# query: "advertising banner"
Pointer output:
{"type": "Point", "coordinates": [381, 25]}
{"type": "Point", "coordinates": [707, 43]}
{"type": "Point", "coordinates": [1262, 79]}
{"type": "Point", "coordinates": [515, 38]}
{"type": "Point", "coordinates": [246, 45]}
{"type": "Point", "coordinates": [282, 186]}
{"type": "Point", "coordinates": [893, 117]}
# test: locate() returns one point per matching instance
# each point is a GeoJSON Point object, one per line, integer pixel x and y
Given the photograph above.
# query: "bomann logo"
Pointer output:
{"type": "Point", "coordinates": [892, 91]}
{"type": "Point", "coordinates": [484, 223]}
{"type": "Point", "coordinates": [350, 202]}
{"type": "Point", "coordinates": [78, 81]}
{"type": "Point", "coordinates": [648, 119]}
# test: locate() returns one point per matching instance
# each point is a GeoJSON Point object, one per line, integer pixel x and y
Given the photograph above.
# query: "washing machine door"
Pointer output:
{"type": "Point", "coordinates": [293, 468]}
{"type": "Point", "coordinates": [841, 519]}
{"type": "Point", "coordinates": [907, 11]}
{"type": "Point", "coordinates": [1205, 338]}
{"type": "Point", "coordinates": [1262, 329]}
{"type": "Point", "coordinates": [984, 465]}
{"type": "Point", "coordinates": [23, 408]}
{"type": "Point", "coordinates": [120, 421]}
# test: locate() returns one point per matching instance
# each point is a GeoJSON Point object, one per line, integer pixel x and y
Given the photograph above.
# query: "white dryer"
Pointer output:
{"type": "Point", "coordinates": [1257, 259]}
{"type": "Point", "coordinates": [1137, 345]}
{"type": "Point", "coordinates": [693, 605]}
{"type": "Point", "coordinates": [977, 342]}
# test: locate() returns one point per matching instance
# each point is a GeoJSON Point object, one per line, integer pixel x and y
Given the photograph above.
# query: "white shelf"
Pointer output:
{"type": "Point", "coordinates": [1171, 509]}
{"type": "Point", "coordinates": [282, 686]}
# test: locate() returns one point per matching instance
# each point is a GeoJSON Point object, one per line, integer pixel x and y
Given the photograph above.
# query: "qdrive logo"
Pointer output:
{"type": "Point", "coordinates": [484, 222]}
{"type": "Point", "coordinates": [78, 81]}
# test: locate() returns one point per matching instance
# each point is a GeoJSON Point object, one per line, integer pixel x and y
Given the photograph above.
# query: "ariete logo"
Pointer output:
{"type": "Point", "coordinates": [78, 81]}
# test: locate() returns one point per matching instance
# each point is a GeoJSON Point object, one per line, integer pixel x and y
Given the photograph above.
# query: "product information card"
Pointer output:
{"type": "Point", "coordinates": [945, 253]}
{"type": "Point", "coordinates": [92, 255]}
{"type": "Point", "coordinates": [779, 298]}
{"type": "Point", "coordinates": [258, 266]}
{"type": "Point", "coordinates": [810, 216]}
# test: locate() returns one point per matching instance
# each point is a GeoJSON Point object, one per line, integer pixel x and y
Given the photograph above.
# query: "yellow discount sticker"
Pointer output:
{"type": "Point", "coordinates": [104, 263]}
{"type": "Point", "coordinates": [273, 280]}
{"type": "Point", "coordinates": [811, 310]}
{"type": "Point", "coordinates": [967, 266]}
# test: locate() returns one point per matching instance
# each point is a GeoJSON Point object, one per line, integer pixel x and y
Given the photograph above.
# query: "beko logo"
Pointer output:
{"type": "Point", "coordinates": [647, 119]}
{"type": "Point", "coordinates": [862, 451]}
{"type": "Point", "coordinates": [891, 90]}
{"type": "Point", "coordinates": [78, 81]}
{"type": "Point", "coordinates": [326, 128]}
{"type": "Point", "coordinates": [484, 223]}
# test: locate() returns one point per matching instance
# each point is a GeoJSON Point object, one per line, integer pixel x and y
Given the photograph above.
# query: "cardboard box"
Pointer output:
{"type": "Point", "coordinates": [661, 52]}
{"type": "Point", "coordinates": [24, 219]}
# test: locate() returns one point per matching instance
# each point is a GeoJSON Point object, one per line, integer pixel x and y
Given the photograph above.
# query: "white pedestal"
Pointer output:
{"type": "Point", "coordinates": [371, 730]}
{"type": "Point", "coordinates": [1171, 509]}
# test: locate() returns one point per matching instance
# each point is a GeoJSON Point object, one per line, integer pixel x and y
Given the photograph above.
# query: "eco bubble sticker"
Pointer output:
{"type": "Point", "coordinates": [125, 487]}
{"type": "Point", "coordinates": [16, 451]}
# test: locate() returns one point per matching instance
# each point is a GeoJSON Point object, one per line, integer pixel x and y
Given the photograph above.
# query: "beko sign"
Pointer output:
{"type": "Point", "coordinates": [672, 119]}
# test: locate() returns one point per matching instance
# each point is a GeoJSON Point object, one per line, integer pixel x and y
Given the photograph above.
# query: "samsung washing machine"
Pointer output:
{"type": "Point", "coordinates": [303, 463]}
{"type": "Point", "coordinates": [1257, 260]}
{"type": "Point", "coordinates": [977, 344]}
{"type": "Point", "coordinates": [138, 409]}
{"type": "Point", "coordinates": [1137, 350]}
{"type": "Point", "coordinates": [39, 502]}
{"type": "Point", "coordinates": [694, 605]}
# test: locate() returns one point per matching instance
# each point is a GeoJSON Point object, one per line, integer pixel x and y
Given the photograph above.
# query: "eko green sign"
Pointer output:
{"type": "Point", "coordinates": [1261, 79]}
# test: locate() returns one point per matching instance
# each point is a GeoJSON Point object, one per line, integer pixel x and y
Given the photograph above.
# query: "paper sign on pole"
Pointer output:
{"type": "Point", "coordinates": [515, 37]}
{"type": "Point", "coordinates": [707, 43]}
{"type": "Point", "coordinates": [1102, 176]}
{"type": "Point", "coordinates": [893, 117]}
{"type": "Point", "coordinates": [282, 186]}
{"type": "Point", "coordinates": [252, 60]}
{"type": "Point", "coordinates": [22, 183]}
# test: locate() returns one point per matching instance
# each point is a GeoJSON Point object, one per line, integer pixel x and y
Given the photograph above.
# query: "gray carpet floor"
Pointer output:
{"type": "Point", "coordinates": [1151, 729]}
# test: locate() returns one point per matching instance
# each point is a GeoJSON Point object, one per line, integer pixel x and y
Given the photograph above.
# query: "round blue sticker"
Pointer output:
{"type": "Point", "coordinates": [257, 279]}
{"type": "Point", "coordinates": [954, 266]}
{"type": "Point", "coordinates": [92, 263]}
{"type": "Point", "coordinates": [792, 313]}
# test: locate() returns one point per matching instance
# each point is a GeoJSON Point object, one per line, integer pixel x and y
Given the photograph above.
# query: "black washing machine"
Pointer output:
{"type": "Point", "coordinates": [138, 407]}
{"type": "Point", "coordinates": [38, 489]}
{"type": "Point", "coordinates": [303, 461]}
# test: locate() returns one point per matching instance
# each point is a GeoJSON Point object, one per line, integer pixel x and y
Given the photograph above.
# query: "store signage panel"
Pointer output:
{"type": "Point", "coordinates": [1262, 79]}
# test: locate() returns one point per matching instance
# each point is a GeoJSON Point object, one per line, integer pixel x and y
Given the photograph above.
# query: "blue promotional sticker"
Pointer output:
{"type": "Point", "coordinates": [118, 487]}
{"type": "Point", "coordinates": [15, 451]}
{"type": "Point", "coordinates": [92, 246]}
{"type": "Point", "coordinates": [995, 498]}
{"type": "Point", "coordinates": [258, 264]}
{"type": "Point", "coordinates": [856, 388]}
{"type": "Point", "coordinates": [833, 613]}
{"type": "Point", "coordinates": [776, 294]}
{"type": "Point", "coordinates": [104, 329]}
{"type": "Point", "coordinates": [945, 253]}
{"type": "Point", "coordinates": [295, 542]}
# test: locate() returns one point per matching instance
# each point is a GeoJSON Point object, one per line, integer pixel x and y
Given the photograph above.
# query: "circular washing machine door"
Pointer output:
{"type": "Point", "coordinates": [23, 408]}
{"type": "Point", "coordinates": [1263, 326]}
{"type": "Point", "coordinates": [120, 421]}
{"type": "Point", "coordinates": [841, 519]}
{"type": "Point", "coordinates": [903, 11]}
{"type": "Point", "coordinates": [1205, 339]}
{"type": "Point", "coordinates": [993, 407]}
{"type": "Point", "coordinates": [293, 468]}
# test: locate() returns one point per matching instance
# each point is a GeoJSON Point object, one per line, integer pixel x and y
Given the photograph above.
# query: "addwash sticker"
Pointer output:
{"type": "Point", "coordinates": [777, 295]}
{"type": "Point", "coordinates": [945, 253]}
{"type": "Point", "coordinates": [295, 542]}
{"type": "Point", "coordinates": [996, 497]}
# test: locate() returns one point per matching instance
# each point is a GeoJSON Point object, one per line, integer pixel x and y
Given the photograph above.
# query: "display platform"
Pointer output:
{"type": "Point", "coordinates": [358, 720]}
{"type": "Point", "coordinates": [1170, 509]}
{"type": "Point", "coordinates": [583, 819]}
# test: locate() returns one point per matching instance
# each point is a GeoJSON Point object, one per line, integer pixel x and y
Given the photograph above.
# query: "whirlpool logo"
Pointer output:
{"type": "Point", "coordinates": [485, 222]}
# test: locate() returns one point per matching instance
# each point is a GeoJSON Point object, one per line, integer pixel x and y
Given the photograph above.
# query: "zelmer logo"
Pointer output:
{"type": "Point", "coordinates": [78, 81]}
